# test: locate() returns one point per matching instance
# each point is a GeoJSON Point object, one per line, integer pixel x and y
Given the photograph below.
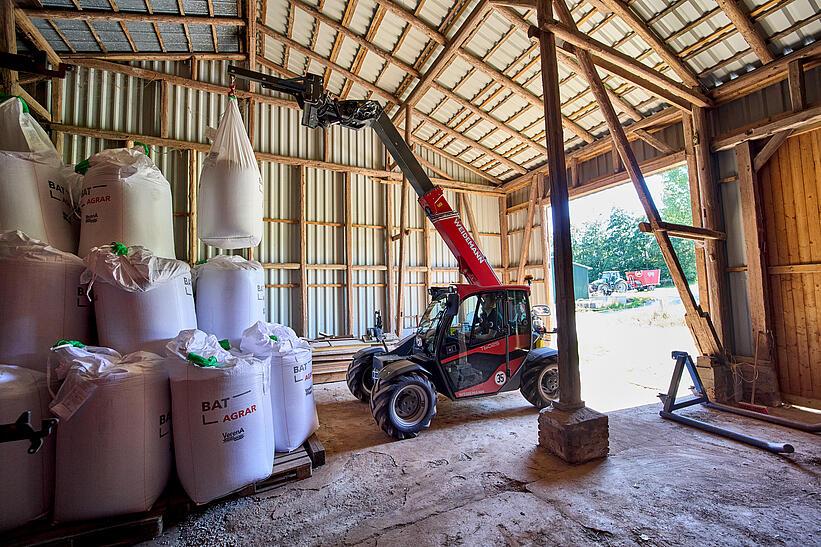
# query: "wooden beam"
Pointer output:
{"type": "Point", "coordinates": [525, 4]}
{"type": "Point", "coordinates": [91, 15]}
{"type": "Point", "coordinates": [251, 37]}
{"type": "Point", "coordinates": [695, 209]}
{"type": "Point", "coordinates": [683, 231]}
{"type": "Point", "coordinates": [153, 56]}
{"type": "Point", "coordinates": [653, 141]}
{"type": "Point", "coordinates": [403, 223]}
{"type": "Point", "coordinates": [193, 184]}
{"type": "Point", "coordinates": [754, 241]}
{"type": "Point", "coordinates": [769, 149]}
{"type": "Point", "coordinates": [744, 25]}
{"type": "Point", "coordinates": [798, 88]}
{"type": "Point", "coordinates": [25, 25]}
{"type": "Point", "coordinates": [472, 225]}
{"type": "Point", "coordinates": [409, 17]}
{"type": "Point", "coordinates": [349, 281]}
{"type": "Point", "coordinates": [164, 109]}
{"type": "Point", "coordinates": [389, 280]}
{"type": "Point", "coordinates": [546, 262]}
{"type": "Point", "coordinates": [661, 47]}
{"type": "Point", "coordinates": [700, 325]}
{"type": "Point", "coordinates": [504, 243]}
{"type": "Point", "coordinates": [303, 251]}
{"type": "Point", "coordinates": [569, 380]}
{"type": "Point", "coordinates": [34, 105]}
{"type": "Point", "coordinates": [8, 44]}
{"type": "Point", "coordinates": [528, 232]}
{"type": "Point", "coordinates": [767, 128]}
{"type": "Point", "coordinates": [624, 61]}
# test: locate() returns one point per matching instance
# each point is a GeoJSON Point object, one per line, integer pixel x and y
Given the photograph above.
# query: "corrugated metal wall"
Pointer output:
{"type": "Point", "coordinates": [115, 102]}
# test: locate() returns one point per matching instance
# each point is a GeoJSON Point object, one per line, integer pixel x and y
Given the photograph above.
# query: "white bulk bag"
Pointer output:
{"type": "Point", "coordinates": [114, 450]}
{"type": "Point", "coordinates": [27, 479]}
{"type": "Point", "coordinates": [126, 198]}
{"type": "Point", "coordinates": [41, 300]}
{"type": "Point", "coordinates": [230, 296]}
{"type": "Point", "coordinates": [223, 433]}
{"type": "Point", "coordinates": [34, 197]}
{"type": "Point", "coordinates": [140, 300]}
{"type": "Point", "coordinates": [292, 384]}
{"type": "Point", "coordinates": [230, 204]}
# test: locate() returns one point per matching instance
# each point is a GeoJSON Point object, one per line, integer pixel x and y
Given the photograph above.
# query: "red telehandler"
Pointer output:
{"type": "Point", "coordinates": [474, 339]}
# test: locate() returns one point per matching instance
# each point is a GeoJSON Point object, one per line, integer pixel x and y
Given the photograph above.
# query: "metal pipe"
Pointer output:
{"type": "Point", "coordinates": [778, 420]}
{"type": "Point", "coordinates": [775, 448]}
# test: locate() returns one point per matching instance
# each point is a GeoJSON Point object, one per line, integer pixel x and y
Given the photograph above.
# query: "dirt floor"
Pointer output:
{"type": "Point", "coordinates": [478, 477]}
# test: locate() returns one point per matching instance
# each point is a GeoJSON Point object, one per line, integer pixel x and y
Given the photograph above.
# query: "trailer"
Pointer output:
{"type": "Point", "coordinates": [643, 280]}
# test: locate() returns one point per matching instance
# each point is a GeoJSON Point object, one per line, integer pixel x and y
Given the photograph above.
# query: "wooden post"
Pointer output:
{"type": "Point", "coordinates": [389, 281]}
{"type": "Point", "coordinates": [164, 103]}
{"type": "Point", "coordinates": [504, 243]}
{"type": "Point", "coordinates": [426, 234]}
{"type": "Point", "coordinates": [8, 44]}
{"type": "Point", "coordinates": [193, 240]}
{"type": "Point", "coordinates": [303, 252]}
{"type": "Point", "coordinates": [528, 232]}
{"type": "Point", "coordinates": [403, 220]}
{"type": "Point", "coordinates": [569, 380]}
{"type": "Point", "coordinates": [349, 288]}
{"type": "Point", "coordinates": [57, 114]}
{"type": "Point", "coordinates": [716, 262]}
{"type": "Point", "coordinates": [695, 207]}
{"type": "Point", "coordinates": [754, 241]}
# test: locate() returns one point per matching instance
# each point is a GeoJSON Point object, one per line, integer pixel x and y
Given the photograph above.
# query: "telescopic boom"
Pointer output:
{"type": "Point", "coordinates": [319, 109]}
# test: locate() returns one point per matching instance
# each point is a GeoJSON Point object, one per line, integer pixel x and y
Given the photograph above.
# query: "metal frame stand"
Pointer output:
{"type": "Point", "coordinates": [683, 360]}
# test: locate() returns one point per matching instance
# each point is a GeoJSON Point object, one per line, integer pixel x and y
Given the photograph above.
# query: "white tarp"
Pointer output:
{"type": "Point", "coordinates": [230, 198]}
{"type": "Point", "coordinates": [223, 432]}
{"type": "Point", "coordinates": [140, 300]}
{"type": "Point", "coordinates": [27, 480]}
{"type": "Point", "coordinates": [114, 449]}
{"type": "Point", "coordinates": [230, 296]}
{"type": "Point", "coordinates": [126, 198]}
{"type": "Point", "coordinates": [34, 197]}
{"type": "Point", "coordinates": [292, 385]}
{"type": "Point", "coordinates": [42, 300]}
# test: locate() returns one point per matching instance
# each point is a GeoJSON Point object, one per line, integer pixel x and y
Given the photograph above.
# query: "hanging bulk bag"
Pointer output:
{"type": "Point", "coordinates": [140, 300]}
{"type": "Point", "coordinates": [41, 300]}
{"type": "Point", "coordinates": [223, 432]}
{"type": "Point", "coordinates": [292, 385]}
{"type": "Point", "coordinates": [114, 450]}
{"type": "Point", "coordinates": [230, 204]}
{"type": "Point", "coordinates": [230, 296]}
{"type": "Point", "coordinates": [27, 479]}
{"type": "Point", "coordinates": [126, 198]}
{"type": "Point", "coordinates": [34, 197]}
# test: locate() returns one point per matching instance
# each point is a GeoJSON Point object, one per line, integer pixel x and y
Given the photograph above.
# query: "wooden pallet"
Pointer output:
{"type": "Point", "coordinates": [172, 507]}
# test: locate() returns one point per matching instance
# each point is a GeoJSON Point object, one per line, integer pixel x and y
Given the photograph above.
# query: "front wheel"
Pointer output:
{"type": "Point", "coordinates": [404, 406]}
{"type": "Point", "coordinates": [540, 383]}
{"type": "Point", "coordinates": [360, 373]}
{"type": "Point", "coordinates": [622, 286]}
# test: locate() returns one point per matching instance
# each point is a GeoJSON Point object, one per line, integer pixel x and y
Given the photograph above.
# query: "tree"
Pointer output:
{"type": "Point", "coordinates": [615, 243]}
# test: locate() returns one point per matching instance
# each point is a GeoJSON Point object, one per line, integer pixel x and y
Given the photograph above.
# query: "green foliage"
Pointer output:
{"type": "Point", "coordinates": [615, 243]}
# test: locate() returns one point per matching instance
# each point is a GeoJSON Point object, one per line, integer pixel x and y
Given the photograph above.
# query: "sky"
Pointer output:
{"type": "Point", "coordinates": [598, 205]}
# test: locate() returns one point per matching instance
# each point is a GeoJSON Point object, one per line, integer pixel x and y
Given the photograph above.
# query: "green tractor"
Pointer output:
{"type": "Point", "coordinates": [608, 283]}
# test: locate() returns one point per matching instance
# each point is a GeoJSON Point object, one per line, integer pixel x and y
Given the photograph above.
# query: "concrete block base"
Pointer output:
{"type": "Point", "coordinates": [721, 384]}
{"type": "Point", "coordinates": [766, 383]}
{"type": "Point", "coordinates": [576, 436]}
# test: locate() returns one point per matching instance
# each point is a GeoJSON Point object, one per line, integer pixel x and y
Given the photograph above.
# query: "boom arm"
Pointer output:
{"type": "Point", "coordinates": [321, 110]}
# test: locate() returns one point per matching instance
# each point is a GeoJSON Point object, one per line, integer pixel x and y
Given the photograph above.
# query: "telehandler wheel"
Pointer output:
{"type": "Point", "coordinates": [540, 382]}
{"type": "Point", "coordinates": [359, 379]}
{"type": "Point", "coordinates": [404, 406]}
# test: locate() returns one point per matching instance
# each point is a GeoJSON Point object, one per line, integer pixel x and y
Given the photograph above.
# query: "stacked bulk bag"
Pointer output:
{"type": "Point", "coordinates": [140, 300]}
{"type": "Point", "coordinates": [292, 386]}
{"type": "Point", "coordinates": [33, 194]}
{"type": "Point", "coordinates": [230, 296]}
{"type": "Point", "coordinates": [114, 450]}
{"type": "Point", "coordinates": [41, 298]}
{"type": "Point", "coordinates": [223, 432]}
{"type": "Point", "coordinates": [27, 479]}
{"type": "Point", "coordinates": [230, 204]}
{"type": "Point", "coordinates": [126, 198]}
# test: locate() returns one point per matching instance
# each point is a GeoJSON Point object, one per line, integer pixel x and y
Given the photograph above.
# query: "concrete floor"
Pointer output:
{"type": "Point", "coordinates": [477, 477]}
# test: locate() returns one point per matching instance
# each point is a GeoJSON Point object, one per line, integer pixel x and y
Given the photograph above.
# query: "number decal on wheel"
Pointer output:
{"type": "Point", "coordinates": [501, 377]}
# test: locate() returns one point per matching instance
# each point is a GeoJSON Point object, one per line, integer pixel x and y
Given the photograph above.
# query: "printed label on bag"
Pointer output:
{"type": "Point", "coordinates": [232, 436]}
{"type": "Point", "coordinates": [210, 417]}
{"type": "Point", "coordinates": [165, 424]}
{"type": "Point", "coordinates": [78, 394]}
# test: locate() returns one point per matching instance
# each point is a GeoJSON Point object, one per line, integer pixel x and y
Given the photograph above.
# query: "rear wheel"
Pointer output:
{"type": "Point", "coordinates": [404, 406]}
{"type": "Point", "coordinates": [359, 377]}
{"type": "Point", "coordinates": [621, 286]}
{"type": "Point", "coordinates": [540, 382]}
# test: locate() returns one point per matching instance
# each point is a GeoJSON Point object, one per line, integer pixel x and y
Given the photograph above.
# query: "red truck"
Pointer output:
{"type": "Point", "coordinates": [643, 280]}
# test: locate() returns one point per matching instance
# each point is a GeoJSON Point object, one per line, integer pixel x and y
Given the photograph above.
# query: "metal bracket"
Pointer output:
{"type": "Point", "coordinates": [33, 63]}
{"type": "Point", "coordinates": [683, 360]}
{"type": "Point", "coordinates": [21, 430]}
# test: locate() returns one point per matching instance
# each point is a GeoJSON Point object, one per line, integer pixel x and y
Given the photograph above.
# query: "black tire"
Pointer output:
{"type": "Point", "coordinates": [540, 382]}
{"type": "Point", "coordinates": [404, 406]}
{"type": "Point", "coordinates": [359, 379]}
{"type": "Point", "coordinates": [622, 286]}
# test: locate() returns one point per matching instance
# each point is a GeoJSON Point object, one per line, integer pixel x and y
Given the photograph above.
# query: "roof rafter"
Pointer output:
{"type": "Point", "coordinates": [745, 26]}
